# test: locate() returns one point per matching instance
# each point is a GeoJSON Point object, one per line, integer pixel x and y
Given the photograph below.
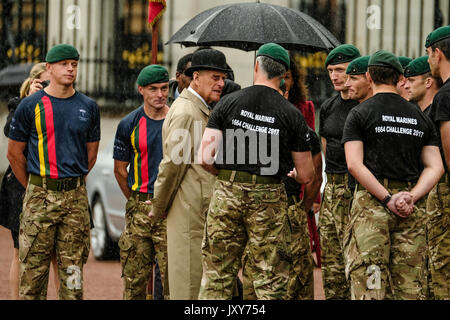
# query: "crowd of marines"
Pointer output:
{"type": "Point", "coordinates": [205, 201]}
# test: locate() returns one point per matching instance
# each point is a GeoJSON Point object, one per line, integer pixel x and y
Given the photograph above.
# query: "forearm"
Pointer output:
{"type": "Point", "coordinates": [311, 191]}
{"type": "Point", "coordinates": [92, 151]}
{"type": "Point", "coordinates": [304, 167]}
{"type": "Point", "coordinates": [445, 138]}
{"type": "Point", "coordinates": [354, 155]}
{"type": "Point", "coordinates": [363, 175]}
{"type": "Point", "coordinates": [19, 167]}
{"type": "Point", "coordinates": [122, 180]}
{"type": "Point", "coordinates": [428, 179]}
{"type": "Point", "coordinates": [91, 163]}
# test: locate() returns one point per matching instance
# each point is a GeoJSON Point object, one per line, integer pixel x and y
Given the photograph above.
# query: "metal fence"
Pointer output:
{"type": "Point", "coordinates": [23, 39]}
{"type": "Point", "coordinates": [24, 36]}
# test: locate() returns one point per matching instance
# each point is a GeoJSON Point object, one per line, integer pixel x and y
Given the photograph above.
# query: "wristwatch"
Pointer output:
{"type": "Point", "coordinates": [386, 200]}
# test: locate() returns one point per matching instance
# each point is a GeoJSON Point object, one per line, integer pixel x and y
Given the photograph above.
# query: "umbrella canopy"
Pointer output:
{"type": "Point", "coordinates": [247, 26]}
{"type": "Point", "coordinates": [14, 75]}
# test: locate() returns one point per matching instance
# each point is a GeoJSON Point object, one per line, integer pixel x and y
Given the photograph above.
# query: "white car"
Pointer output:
{"type": "Point", "coordinates": [108, 206]}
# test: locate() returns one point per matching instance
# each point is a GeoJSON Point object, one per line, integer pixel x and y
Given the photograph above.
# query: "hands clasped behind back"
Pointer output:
{"type": "Point", "coordinates": [402, 204]}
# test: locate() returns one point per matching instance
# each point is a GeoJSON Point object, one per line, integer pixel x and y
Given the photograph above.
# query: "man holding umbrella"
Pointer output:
{"type": "Point", "coordinates": [338, 190]}
{"type": "Point", "coordinates": [249, 205]}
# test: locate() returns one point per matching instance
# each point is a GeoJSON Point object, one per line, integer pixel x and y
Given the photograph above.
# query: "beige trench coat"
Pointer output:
{"type": "Point", "coordinates": [183, 190]}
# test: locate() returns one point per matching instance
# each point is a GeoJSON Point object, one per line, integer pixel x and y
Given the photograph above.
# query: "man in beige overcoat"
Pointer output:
{"type": "Point", "coordinates": [183, 188]}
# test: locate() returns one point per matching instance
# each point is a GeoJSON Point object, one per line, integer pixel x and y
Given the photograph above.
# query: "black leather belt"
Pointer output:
{"type": "Point", "coordinates": [246, 177]}
{"type": "Point", "coordinates": [66, 184]}
{"type": "Point", "coordinates": [140, 196]}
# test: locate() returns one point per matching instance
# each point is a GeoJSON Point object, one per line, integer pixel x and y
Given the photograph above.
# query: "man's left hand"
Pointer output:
{"type": "Point", "coordinates": [150, 214]}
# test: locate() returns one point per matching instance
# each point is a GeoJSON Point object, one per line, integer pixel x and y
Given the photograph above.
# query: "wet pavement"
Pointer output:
{"type": "Point", "coordinates": [101, 278]}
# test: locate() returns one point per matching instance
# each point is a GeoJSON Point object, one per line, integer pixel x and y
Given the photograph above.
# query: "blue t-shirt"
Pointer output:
{"type": "Point", "coordinates": [139, 142]}
{"type": "Point", "coordinates": [57, 131]}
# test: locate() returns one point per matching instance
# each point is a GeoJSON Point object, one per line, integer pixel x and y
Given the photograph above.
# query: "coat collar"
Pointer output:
{"type": "Point", "coordinates": [192, 97]}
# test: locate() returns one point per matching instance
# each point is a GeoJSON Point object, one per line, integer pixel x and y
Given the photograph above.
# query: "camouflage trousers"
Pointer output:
{"type": "Point", "coordinates": [333, 219]}
{"type": "Point", "coordinates": [246, 215]}
{"type": "Point", "coordinates": [53, 221]}
{"type": "Point", "coordinates": [301, 278]}
{"type": "Point", "coordinates": [386, 255]}
{"type": "Point", "coordinates": [142, 240]}
{"type": "Point", "coordinates": [438, 236]}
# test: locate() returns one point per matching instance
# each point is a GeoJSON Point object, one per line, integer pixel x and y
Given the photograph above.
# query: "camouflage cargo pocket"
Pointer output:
{"type": "Point", "coordinates": [87, 247]}
{"type": "Point", "coordinates": [27, 237]}
{"type": "Point", "coordinates": [125, 246]}
{"type": "Point", "coordinates": [294, 219]}
{"type": "Point", "coordinates": [284, 245]}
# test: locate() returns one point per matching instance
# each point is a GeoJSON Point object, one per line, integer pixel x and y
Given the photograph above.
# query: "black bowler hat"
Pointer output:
{"type": "Point", "coordinates": [207, 59]}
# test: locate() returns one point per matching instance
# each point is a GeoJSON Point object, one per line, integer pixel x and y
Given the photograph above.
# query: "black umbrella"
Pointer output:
{"type": "Point", "coordinates": [14, 75]}
{"type": "Point", "coordinates": [247, 26]}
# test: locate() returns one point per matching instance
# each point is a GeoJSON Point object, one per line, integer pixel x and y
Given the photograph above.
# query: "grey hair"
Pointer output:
{"type": "Point", "coordinates": [272, 68]}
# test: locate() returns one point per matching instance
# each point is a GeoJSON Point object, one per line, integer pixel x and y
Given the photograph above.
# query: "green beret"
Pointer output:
{"type": "Point", "coordinates": [358, 66]}
{"type": "Point", "coordinates": [437, 35]}
{"type": "Point", "coordinates": [387, 59]}
{"type": "Point", "coordinates": [275, 52]}
{"type": "Point", "coordinates": [417, 67]}
{"type": "Point", "coordinates": [342, 54]}
{"type": "Point", "coordinates": [62, 52]}
{"type": "Point", "coordinates": [152, 74]}
{"type": "Point", "coordinates": [404, 61]}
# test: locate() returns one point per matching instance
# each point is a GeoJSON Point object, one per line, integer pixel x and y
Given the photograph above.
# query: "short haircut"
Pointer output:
{"type": "Point", "coordinates": [437, 80]}
{"type": "Point", "coordinates": [384, 75]}
{"type": "Point", "coordinates": [444, 46]}
{"type": "Point", "coordinates": [272, 68]}
{"type": "Point", "coordinates": [182, 63]}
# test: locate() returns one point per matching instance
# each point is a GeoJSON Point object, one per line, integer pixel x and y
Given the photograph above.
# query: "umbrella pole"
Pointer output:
{"type": "Point", "coordinates": [155, 43]}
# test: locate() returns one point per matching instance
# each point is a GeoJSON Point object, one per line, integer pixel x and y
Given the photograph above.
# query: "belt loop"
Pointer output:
{"type": "Point", "coordinates": [44, 182]}
{"type": "Point", "coordinates": [233, 175]}
{"type": "Point", "coordinates": [253, 178]}
{"type": "Point", "coordinates": [386, 183]}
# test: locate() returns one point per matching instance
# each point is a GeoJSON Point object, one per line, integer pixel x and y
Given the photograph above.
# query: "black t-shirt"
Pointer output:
{"type": "Point", "coordinates": [291, 186]}
{"type": "Point", "coordinates": [333, 114]}
{"type": "Point", "coordinates": [260, 130]}
{"type": "Point", "coordinates": [427, 111]}
{"type": "Point", "coordinates": [394, 132]}
{"type": "Point", "coordinates": [440, 111]}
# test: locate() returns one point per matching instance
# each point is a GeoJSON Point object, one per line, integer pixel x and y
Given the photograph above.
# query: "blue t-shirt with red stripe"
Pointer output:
{"type": "Point", "coordinates": [139, 142]}
{"type": "Point", "coordinates": [56, 131]}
